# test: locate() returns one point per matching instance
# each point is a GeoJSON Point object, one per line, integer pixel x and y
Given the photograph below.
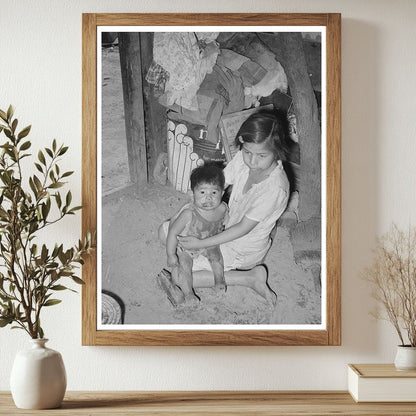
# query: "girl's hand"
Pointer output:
{"type": "Point", "coordinates": [189, 242]}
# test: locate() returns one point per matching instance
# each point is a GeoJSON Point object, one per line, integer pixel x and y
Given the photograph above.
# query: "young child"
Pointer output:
{"type": "Point", "coordinates": [202, 218]}
{"type": "Point", "coordinates": [258, 198]}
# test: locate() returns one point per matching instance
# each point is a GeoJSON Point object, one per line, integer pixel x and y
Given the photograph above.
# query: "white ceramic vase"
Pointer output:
{"type": "Point", "coordinates": [38, 377]}
{"type": "Point", "coordinates": [405, 358]}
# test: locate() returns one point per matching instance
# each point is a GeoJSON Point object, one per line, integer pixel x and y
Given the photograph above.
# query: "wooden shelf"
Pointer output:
{"type": "Point", "coordinates": [178, 403]}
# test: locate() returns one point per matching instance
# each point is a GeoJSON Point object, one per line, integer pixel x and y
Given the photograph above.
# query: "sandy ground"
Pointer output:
{"type": "Point", "coordinates": [132, 255]}
{"type": "Point", "coordinates": [115, 169]}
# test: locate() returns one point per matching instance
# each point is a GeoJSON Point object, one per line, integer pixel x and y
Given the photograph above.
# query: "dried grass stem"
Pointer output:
{"type": "Point", "coordinates": [393, 276]}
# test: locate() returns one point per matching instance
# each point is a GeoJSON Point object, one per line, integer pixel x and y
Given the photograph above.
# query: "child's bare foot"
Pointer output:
{"type": "Point", "coordinates": [259, 285]}
{"type": "Point", "coordinates": [173, 292]}
{"type": "Point", "coordinates": [192, 300]}
{"type": "Point", "coordinates": [221, 287]}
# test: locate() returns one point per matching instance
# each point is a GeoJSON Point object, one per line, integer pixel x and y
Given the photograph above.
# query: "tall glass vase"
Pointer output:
{"type": "Point", "coordinates": [38, 377]}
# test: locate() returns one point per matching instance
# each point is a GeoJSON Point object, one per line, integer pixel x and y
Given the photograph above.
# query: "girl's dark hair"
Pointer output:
{"type": "Point", "coordinates": [208, 173]}
{"type": "Point", "coordinates": [263, 126]}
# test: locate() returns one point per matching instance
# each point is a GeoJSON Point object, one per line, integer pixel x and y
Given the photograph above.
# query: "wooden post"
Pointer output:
{"type": "Point", "coordinates": [289, 51]}
{"type": "Point", "coordinates": [131, 74]}
{"type": "Point", "coordinates": [154, 113]}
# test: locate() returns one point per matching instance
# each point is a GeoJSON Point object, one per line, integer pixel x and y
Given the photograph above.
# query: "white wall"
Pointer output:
{"type": "Point", "coordinates": [40, 73]}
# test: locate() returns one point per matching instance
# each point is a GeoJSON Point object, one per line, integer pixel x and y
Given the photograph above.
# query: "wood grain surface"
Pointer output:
{"type": "Point", "coordinates": [318, 403]}
{"type": "Point", "coordinates": [381, 371]}
{"type": "Point", "coordinates": [89, 172]}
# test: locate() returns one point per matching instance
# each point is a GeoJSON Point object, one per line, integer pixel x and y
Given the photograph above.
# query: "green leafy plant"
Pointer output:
{"type": "Point", "coordinates": [393, 277]}
{"type": "Point", "coordinates": [30, 272]}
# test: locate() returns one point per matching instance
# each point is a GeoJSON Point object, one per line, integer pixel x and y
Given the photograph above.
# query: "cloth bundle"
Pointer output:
{"type": "Point", "coordinates": [187, 57]}
{"type": "Point", "coordinates": [200, 82]}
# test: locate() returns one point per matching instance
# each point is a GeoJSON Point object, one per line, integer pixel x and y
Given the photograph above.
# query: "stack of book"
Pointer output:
{"type": "Point", "coordinates": [381, 383]}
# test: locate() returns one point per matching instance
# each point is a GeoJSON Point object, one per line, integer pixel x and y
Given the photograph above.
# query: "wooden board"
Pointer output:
{"type": "Point", "coordinates": [259, 403]}
{"type": "Point", "coordinates": [380, 371]}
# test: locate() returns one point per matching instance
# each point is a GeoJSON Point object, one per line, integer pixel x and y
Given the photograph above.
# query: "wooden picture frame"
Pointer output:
{"type": "Point", "coordinates": [329, 333]}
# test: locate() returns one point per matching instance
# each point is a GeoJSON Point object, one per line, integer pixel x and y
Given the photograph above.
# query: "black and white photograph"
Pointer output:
{"type": "Point", "coordinates": [211, 154]}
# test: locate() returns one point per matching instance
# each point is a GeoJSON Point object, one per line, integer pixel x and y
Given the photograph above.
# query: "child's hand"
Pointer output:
{"type": "Point", "coordinates": [173, 260]}
{"type": "Point", "coordinates": [189, 242]}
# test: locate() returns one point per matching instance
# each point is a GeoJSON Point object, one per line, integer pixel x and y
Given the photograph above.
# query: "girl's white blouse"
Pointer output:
{"type": "Point", "coordinates": [264, 202]}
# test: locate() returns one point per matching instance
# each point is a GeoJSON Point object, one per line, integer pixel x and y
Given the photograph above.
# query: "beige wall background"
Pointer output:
{"type": "Point", "coordinates": [40, 74]}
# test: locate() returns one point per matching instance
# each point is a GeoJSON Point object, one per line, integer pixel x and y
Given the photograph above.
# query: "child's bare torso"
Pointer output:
{"type": "Point", "coordinates": [201, 227]}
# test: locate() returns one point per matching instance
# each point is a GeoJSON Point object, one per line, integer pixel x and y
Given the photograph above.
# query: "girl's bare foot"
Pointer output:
{"type": "Point", "coordinates": [259, 285]}
{"type": "Point", "coordinates": [192, 300]}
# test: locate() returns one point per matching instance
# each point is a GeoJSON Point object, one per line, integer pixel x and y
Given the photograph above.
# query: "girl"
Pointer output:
{"type": "Point", "coordinates": [258, 198]}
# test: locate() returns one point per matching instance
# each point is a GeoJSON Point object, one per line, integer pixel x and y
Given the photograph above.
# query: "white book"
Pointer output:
{"type": "Point", "coordinates": [381, 383]}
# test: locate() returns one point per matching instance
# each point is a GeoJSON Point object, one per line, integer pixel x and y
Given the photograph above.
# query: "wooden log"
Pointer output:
{"type": "Point", "coordinates": [289, 51]}
{"type": "Point", "coordinates": [154, 113]}
{"type": "Point", "coordinates": [131, 74]}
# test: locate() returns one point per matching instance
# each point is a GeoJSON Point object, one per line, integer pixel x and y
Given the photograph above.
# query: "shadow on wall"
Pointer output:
{"type": "Point", "coordinates": [360, 178]}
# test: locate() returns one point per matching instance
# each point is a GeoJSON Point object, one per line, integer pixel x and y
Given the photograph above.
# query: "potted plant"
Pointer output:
{"type": "Point", "coordinates": [31, 273]}
{"type": "Point", "coordinates": [393, 277]}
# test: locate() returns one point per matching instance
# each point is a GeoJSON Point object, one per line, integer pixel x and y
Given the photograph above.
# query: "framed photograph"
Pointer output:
{"type": "Point", "coordinates": [165, 94]}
